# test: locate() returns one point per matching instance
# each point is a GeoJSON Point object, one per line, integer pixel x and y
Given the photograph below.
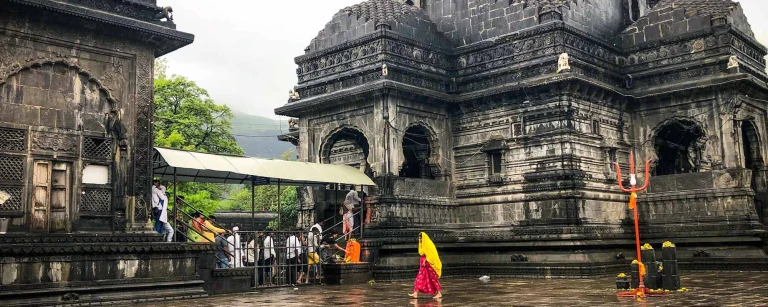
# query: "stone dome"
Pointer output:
{"type": "Point", "coordinates": [361, 19]}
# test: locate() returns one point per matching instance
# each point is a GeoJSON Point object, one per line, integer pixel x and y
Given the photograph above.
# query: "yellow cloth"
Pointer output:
{"type": "Point", "coordinates": [210, 231]}
{"type": "Point", "coordinates": [632, 200]}
{"type": "Point", "coordinates": [313, 258]}
{"type": "Point", "coordinates": [429, 251]}
{"type": "Point", "coordinates": [192, 235]}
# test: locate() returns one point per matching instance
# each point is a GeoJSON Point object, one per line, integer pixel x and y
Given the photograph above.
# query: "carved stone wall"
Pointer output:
{"type": "Point", "coordinates": [85, 84]}
{"type": "Point", "coordinates": [526, 152]}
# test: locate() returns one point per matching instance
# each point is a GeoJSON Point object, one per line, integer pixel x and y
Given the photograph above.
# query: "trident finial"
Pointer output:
{"type": "Point", "coordinates": [633, 175]}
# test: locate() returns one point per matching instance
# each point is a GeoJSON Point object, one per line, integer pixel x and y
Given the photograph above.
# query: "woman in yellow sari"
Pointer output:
{"type": "Point", "coordinates": [430, 269]}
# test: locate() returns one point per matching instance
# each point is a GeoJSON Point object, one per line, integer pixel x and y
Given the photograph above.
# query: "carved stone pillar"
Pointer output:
{"type": "Point", "coordinates": [139, 208]}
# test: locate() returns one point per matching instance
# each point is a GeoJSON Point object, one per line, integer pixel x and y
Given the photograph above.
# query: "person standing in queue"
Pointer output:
{"type": "Point", "coordinates": [292, 251]}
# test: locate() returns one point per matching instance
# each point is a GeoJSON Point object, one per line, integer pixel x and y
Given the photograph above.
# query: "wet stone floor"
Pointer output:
{"type": "Point", "coordinates": [705, 289]}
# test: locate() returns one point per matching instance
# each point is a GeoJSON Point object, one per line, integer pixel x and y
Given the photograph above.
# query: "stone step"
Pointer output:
{"type": "Point", "coordinates": [106, 294]}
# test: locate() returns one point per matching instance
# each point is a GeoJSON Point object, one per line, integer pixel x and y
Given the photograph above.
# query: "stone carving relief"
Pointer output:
{"type": "Point", "coordinates": [166, 13]}
{"type": "Point", "coordinates": [141, 98]}
{"type": "Point", "coordinates": [113, 77]}
{"type": "Point", "coordinates": [293, 95]}
{"type": "Point", "coordinates": [563, 64]}
{"type": "Point", "coordinates": [733, 62]}
{"type": "Point", "coordinates": [54, 142]}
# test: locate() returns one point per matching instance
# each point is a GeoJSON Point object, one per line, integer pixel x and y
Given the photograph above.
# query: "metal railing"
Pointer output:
{"type": "Point", "coordinates": [275, 260]}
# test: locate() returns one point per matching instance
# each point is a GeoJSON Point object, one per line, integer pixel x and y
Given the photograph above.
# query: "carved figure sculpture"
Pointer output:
{"type": "Point", "coordinates": [733, 62]}
{"type": "Point", "coordinates": [563, 64]}
{"type": "Point", "coordinates": [384, 70]}
{"type": "Point", "coordinates": [293, 123]}
{"type": "Point", "coordinates": [293, 95]}
{"type": "Point", "coordinates": [166, 13]}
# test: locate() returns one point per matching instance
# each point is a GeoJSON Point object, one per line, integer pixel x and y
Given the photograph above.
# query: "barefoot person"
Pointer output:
{"type": "Point", "coordinates": [430, 269]}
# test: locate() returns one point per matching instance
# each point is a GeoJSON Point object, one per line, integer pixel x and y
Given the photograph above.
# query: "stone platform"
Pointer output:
{"type": "Point", "coordinates": [706, 289]}
{"type": "Point", "coordinates": [48, 269]}
{"type": "Point", "coordinates": [563, 252]}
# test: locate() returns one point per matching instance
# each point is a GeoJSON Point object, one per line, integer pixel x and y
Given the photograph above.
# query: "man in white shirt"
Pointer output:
{"type": "Point", "coordinates": [352, 200]}
{"type": "Point", "coordinates": [267, 258]}
{"type": "Point", "coordinates": [160, 209]}
{"type": "Point", "coordinates": [292, 250]}
{"type": "Point", "coordinates": [235, 249]}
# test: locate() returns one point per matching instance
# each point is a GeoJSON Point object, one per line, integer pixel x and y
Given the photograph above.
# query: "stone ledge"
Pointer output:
{"type": "Point", "coordinates": [20, 238]}
{"type": "Point", "coordinates": [101, 293]}
{"type": "Point", "coordinates": [51, 249]}
{"type": "Point", "coordinates": [347, 273]}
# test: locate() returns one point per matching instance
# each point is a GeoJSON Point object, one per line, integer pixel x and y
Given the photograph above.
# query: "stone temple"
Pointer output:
{"type": "Point", "coordinates": [494, 125]}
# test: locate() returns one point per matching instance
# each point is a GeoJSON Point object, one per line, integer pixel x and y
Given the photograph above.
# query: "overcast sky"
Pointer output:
{"type": "Point", "coordinates": [244, 49]}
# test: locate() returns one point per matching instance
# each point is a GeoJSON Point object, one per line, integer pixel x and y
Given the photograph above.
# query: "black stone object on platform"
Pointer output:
{"type": "Point", "coordinates": [671, 273]}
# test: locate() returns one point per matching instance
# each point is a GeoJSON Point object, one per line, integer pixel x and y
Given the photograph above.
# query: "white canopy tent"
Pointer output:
{"type": "Point", "coordinates": [186, 166]}
{"type": "Point", "coordinates": [191, 166]}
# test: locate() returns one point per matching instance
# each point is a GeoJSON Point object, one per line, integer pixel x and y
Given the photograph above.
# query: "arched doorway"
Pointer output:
{"type": "Point", "coordinates": [346, 146]}
{"type": "Point", "coordinates": [417, 150]}
{"type": "Point", "coordinates": [679, 144]}
{"type": "Point", "coordinates": [753, 160]}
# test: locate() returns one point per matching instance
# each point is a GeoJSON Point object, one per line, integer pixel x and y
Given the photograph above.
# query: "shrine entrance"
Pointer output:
{"type": "Point", "coordinates": [51, 198]}
{"type": "Point", "coordinates": [416, 150]}
{"type": "Point", "coordinates": [678, 145]}
{"type": "Point", "coordinates": [347, 146]}
{"type": "Point", "coordinates": [753, 161]}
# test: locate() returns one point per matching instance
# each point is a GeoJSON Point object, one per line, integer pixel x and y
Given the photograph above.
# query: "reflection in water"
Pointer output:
{"type": "Point", "coordinates": [433, 303]}
{"type": "Point", "coordinates": [712, 289]}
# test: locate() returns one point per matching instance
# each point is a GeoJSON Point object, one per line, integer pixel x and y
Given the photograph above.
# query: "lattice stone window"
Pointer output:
{"type": "Point", "coordinates": [13, 203]}
{"type": "Point", "coordinates": [96, 201]}
{"type": "Point", "coordinates": [11, 168]}
{"type": "Point", "coordinates": [13, 140]}
{"type": "Point", "coordinates": [97, 148]}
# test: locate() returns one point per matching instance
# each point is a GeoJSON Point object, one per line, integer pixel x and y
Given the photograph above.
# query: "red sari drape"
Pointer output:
{"type": "Point", "coordinates": [427, 280]}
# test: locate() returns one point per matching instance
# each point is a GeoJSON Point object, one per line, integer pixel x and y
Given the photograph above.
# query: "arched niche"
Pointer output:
{"type": "Point", "coordinates": [346, 145]}
{"type": "Point", "coordinates": [753, 160]}
{"type": "Point", "coordinates": [421, 153]}
{"type": "Point", "coordinates": [679, 145]}
{"type": "Point", "coordinates": [65, 95]}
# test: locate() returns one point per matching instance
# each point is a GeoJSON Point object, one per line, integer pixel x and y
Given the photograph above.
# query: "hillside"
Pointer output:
{"type": "Point", "coordinates": [257, 135]}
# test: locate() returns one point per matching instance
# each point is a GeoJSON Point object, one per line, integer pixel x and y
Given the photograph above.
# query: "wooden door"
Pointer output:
{"type": "Point", "coordinates": [41, 196]}
{"type": "Point", "coordinates": [60, 197]}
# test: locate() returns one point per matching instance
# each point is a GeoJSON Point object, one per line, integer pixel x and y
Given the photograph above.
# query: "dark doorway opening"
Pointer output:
{"type": "Point", "coordinates": [753, 161]}
{"type": "Point", "coordinates": [677, 146]}
{"type": "Point", "coordinates": [347, 147]}
{"type": "Point", "coordinates": [416, 149]}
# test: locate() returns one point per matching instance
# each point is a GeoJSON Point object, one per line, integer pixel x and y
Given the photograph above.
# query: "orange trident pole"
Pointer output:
{"type": "Point", "coordinates": [641, 291]}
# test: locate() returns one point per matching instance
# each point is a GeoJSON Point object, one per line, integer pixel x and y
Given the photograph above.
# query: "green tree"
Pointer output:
{"type": "Point", "coordinates": [161, 68]}
{"type": "Point", "coordinates": [187, 118]}
{"type": "Point", "coordinates": [184, 107]}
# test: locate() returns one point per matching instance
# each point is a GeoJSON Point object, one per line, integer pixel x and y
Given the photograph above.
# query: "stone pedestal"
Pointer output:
{"type": "Point", "coordinates": [671, 276]}
{"type": "Point", "coordinates": [634, 276]}
{"type": "Point", "coordinates": [653, 280]}
{"type": "Point", "coordinates": [224, 281]}
{"type": "Point", "coordinates": [369, 251]}
{"type": "Point", "coordinates": [347, 273]}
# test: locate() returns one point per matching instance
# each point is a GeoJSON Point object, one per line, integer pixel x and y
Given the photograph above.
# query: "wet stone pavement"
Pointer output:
{"type": "Point", "coordinates": [705, 289]}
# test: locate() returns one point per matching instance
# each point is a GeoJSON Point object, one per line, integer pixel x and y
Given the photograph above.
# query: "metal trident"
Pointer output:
{"type": "Point", "coordinates": [641, 290]}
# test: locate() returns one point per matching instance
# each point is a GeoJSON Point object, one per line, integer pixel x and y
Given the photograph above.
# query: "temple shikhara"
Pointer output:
{"type": "Point", "coordinates": [494, 125]}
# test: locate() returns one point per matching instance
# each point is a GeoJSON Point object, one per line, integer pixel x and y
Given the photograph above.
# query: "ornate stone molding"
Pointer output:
{"type": "Point", "coordinates": [54, 142]}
